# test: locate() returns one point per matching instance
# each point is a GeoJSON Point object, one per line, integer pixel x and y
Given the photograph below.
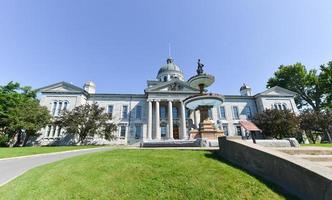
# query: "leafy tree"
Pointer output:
{"type": "Point", "coordinates": [20, 113]}
{"type": "Point", "coordinates": [313, 89]}
{"type": "Point", "coordinates": [310, 123]}
{"type": "Point", "coordinates": [326, 81]}
{"type": "Point", "coordinates": [326, 124]}
{"type": "Point", "coordinates": [316, 124]}
{"type": "Point", "coordinates": [26, 119]}
{"type": "Point", "coordinates": [87, 121]}
{"type": "Point", "coordinates": [277, 123]}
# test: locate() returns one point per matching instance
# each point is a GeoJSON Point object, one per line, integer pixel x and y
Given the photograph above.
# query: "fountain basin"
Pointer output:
{"type": "Point", "coordinates": [209, 100]}
{"type": "Point", "coordinates": [201, 81]}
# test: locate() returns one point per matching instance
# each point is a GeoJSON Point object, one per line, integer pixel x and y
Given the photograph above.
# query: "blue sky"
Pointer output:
{"type": "Point", "coordinates": [121, 44]}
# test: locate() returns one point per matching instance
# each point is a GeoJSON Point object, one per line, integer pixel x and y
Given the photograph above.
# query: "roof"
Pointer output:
{"type": "Point", "coordinates": [71, 88]}
{"type": "Point", "coordinates": [277, 91]}
{"type": "Point", "coordinates": [170, 66]}
{"type": "Point", "coordinates": [249, 126]}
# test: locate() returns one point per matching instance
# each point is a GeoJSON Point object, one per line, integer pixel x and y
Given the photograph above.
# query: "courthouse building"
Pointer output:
{"type": "Point", "coordinates": [159, 112]}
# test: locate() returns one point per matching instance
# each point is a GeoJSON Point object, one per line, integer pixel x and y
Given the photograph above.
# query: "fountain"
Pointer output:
{"type": "Point", "coordinates": [203, 102]}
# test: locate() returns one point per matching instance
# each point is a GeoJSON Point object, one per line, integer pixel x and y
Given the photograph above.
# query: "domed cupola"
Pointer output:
{"type": "Point", "coordinates": [170, 71]}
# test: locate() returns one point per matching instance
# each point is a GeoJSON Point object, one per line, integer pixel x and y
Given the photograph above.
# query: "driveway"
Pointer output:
{"type": "Point", "coordinates": [10, 168]}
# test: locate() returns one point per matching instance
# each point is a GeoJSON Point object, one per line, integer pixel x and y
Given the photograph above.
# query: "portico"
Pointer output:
{"type": "Point", "coordinates": [166, 120]}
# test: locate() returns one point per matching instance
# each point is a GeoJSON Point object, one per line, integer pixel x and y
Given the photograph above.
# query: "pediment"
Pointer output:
{"type": "Point", "coordinates": [172, 86]}
{"type": "Point", "coordinates": [61, 87]}
{"type": "Point", "coordinates": [277, 91]}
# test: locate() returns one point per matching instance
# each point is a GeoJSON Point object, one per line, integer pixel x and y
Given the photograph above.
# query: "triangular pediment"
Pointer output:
{"type": "Point", "coordinates": [172, 86]}
{"type": "Point", "coordinates": [61, 87]}
{"type": "Point", "coordinates": [277, 91]}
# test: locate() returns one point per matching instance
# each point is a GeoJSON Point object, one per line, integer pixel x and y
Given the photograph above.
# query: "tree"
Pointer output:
{"type": "Point", "coordinates": [326, 81]}
{"type": "Point", "coordinates": [316, 124]}
{"type": "Point", "coordinates": [20, 113]}
{"type": "Point", "coordinates": [310, 123]}
{"type": "Point", "coordinates": [326, 124]}
{"type": "Point", "coordinates": [87, 121]}
{"type": "Point", "coordinates": [277, 123]}
{"type": "Point", "coordinates": [26, 119]}
{"type": "Point", "coordinates": [312, 89]}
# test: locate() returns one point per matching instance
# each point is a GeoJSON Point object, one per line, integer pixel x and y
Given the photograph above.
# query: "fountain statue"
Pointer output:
{"type": "Point", "coordinates": [203, 102]}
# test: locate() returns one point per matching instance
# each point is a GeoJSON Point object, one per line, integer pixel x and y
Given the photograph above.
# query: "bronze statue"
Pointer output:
{"type": "Point", "coordinates": [199, 67]}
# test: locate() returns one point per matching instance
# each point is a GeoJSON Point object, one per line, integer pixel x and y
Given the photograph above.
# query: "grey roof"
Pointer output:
{"type": "Point", "coordinates": [170, 66]}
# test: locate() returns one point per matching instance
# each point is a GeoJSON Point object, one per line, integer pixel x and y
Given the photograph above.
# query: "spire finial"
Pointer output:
{"type": "Point", "coordinates": [169, 50]}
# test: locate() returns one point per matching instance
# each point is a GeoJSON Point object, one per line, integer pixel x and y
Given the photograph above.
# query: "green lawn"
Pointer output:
{"type": "Point", "coordinates": [317, 145]}
{"type": "Point", "coordinates": [138, 174]}
{"type": "Point", "coordinates": [6, 152]}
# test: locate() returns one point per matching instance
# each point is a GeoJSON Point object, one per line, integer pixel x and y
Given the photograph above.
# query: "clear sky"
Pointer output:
{"type": "Point", "coordinates": [121, 44]}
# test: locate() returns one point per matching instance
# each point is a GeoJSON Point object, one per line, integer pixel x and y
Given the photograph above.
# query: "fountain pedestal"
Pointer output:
{"type": "Point", "coordinates": [203, 102]}
{"type": "Point", "coordinates": [207, 131]}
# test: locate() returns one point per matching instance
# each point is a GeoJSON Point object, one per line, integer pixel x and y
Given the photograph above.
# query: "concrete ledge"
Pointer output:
{"type": "Point", "coordinates": [299, 177]}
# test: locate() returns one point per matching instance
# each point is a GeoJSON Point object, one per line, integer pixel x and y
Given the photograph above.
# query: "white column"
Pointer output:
{"type": "Point", "coordinates": [183, 121]}
{"type": "Point", "coordinates": [170, 119]}
{"type": "Point", "coordinates": [149, 135]}
{"type": "Point", "coordinates": [158, 136]}
{"type": "Point", "coordinates": [196, 118]}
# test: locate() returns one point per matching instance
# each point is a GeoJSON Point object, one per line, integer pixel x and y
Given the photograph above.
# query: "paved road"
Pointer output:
{"type": "Point", "coordinates": [10, 168]}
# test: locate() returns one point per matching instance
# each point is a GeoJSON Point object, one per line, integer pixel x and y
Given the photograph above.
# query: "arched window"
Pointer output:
{"type": "Point", "coordinates": [284, 106]}
{"type": "Point", "coordinates": [65, 105]}
{"type": "Point", "coordinates": [55, 103]}
{"type": "Point", "coordinates": [165, 78]}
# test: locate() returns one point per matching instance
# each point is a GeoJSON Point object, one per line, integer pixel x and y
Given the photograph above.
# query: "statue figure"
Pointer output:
{"type": "Point", "coordinates": [199, 67]}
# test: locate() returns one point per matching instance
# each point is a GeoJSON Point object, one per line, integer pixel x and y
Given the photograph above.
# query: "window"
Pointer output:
{"type": "Point", "coordinates": [187, 113]}
{"type": "Point", "coordinates": [59, 108]}
{"type": "Point", "coordinates": [238, 130]}
{"type": "Point", "coordinates": [222, 112]}
{"type": "Point", "coordinates": [210, 113]}
{"type": "Point", "coordinates": [59, 131]}
{"type": "Point", "coordinates": [165, 78]}
{"type": "Point", "coordinates": [163, 112]}
{"type": "Point", "coordinates": [163, 131]}
{"type": "Point", "coordinates": [175, 113]}
{"type": "Point", "coordinates": [54, 107]}
{"type": "Point", "coordinates": [65, 105]}
{"type": "Point", "coordinates": [138, 112]}
{"type": "Point", "coordinates": [110, 110]}
{"type": "Point", "coordinates": [278, 106]}
{"type": "Point", "coordinates": [123, 131]}
{"type": "Point", "coordinates": [53, 132]}
{"type": "Point", "coordinates": [138, 131]}
{"type": "Point", "coordinates": [48, 131]}
{"type": "Point", "coordinates": [248, 112]}
{"type": "Point", "coordinates": [235, 112]}
{"type": "Point", "coordinates": [225, 128]}
{"type": "Point", "coordinates": [124, 112]}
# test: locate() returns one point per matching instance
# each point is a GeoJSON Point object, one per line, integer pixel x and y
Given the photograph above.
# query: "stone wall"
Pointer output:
{"type": "Point", "coordinates": [299, 177]}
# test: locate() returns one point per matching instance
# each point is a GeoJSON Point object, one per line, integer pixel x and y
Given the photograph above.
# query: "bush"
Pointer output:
{"type": "Point", "coordinates": [277, 123]}
{"type": "Point", "coordinates": [4, 139]}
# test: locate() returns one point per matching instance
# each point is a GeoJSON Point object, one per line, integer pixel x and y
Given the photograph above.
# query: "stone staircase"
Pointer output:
{"type": "Point", "coordinates": [318, 155]}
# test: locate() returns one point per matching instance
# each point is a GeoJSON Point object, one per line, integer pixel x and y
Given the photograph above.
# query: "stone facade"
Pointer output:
{"type": "Point", "coordinates": [159, 113]}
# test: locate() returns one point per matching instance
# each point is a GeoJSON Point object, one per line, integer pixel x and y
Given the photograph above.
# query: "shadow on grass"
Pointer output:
{"type": "Point", "coordinates": [214, 154]}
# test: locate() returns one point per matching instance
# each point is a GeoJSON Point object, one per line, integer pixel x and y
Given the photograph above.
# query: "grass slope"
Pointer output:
{"type": "Point", "coordinates": [138, 174]}
{"type": "Point", "coordinates": [6, 152]}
